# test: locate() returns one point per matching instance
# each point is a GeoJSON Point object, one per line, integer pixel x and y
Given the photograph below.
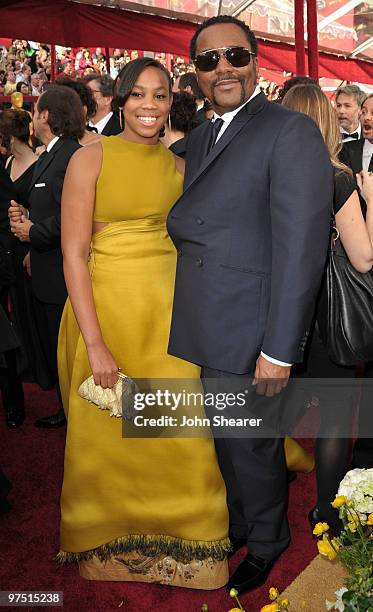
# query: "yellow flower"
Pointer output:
{"type": "Point", "coordinates": [284, 603]}
{"type": "Point", "coordinates": [273, 607]}
{"type": "Point", "coordinates": [320, 528]}
{"type": "Point", "coordinates": [236, 610]}
{"type": "Point", "coordinates": [233, 593]}
{"type": "Point", "coordinates": [370, 519]}
{"type": "Point", "coordinates": [339, 501]}
{"type": "Point", "coordinates": [352, 526]}
{"type": "Point", "coordinates": [273, 593]}
{"type": "Point", "coordinates": [327, 548]}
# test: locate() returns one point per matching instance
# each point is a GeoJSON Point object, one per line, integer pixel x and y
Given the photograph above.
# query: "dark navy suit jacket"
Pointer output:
{"type": "Point", "coordinates": [251, 230]}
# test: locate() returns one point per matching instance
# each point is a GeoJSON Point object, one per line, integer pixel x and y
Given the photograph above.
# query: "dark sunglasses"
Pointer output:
{"type": "Point", "coordinates": [236, 56]}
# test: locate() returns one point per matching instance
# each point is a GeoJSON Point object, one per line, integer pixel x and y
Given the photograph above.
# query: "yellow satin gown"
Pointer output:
{"type": "Point", "coordinates": [149, 510]}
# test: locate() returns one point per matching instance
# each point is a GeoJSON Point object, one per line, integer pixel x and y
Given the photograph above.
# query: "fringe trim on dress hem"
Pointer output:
{"type": "Point", "coordinates": [183, 551]}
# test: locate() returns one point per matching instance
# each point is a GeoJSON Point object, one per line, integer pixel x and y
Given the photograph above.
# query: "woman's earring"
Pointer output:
{"type": "Point", "coordinates": [169, 122]}
{"type": "Point", "coordinates": [121, 118]}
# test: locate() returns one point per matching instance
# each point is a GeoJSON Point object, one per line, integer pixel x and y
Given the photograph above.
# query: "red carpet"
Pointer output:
{"type": "Point", "coordinates": [33, 460]}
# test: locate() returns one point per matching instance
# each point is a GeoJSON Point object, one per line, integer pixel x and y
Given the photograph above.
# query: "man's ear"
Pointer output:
{"type": "Point", "coordinates": [44, 116]}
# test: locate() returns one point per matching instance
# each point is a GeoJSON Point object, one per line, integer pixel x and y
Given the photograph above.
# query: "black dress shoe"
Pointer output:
{"type": "Point", "coordinates": [236, 544]}
{"type": "Point", "coordinates": [250, 574]}
{"type": "Point", "coordinates": [55, 420]}
{"type": "Point", "coordinates": [15, 417]}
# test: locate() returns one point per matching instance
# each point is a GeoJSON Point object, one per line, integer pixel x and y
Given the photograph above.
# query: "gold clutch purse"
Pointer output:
{"type": "Point", "coordinates": [118, 400]}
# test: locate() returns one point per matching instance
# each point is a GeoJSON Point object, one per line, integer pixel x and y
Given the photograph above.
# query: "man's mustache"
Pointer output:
{"type": "Point", "coordinates": [227, 77]}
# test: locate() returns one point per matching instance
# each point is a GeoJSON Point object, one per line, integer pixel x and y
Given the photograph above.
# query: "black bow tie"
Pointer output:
{"type": "Point", "coordinates": [355, 135]}
{"type": "Point", "coordinates": [91, 128]}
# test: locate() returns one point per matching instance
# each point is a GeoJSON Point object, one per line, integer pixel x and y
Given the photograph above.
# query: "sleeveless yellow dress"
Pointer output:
{"type": "Point", "coordinates": [149, 510]}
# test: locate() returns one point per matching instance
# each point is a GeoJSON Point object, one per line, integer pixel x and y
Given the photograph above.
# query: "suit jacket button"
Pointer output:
{"type": "Point", "coordinates": [200, 221]}
{"type": "Point", "coordinates": [199, 262]}
{"type": "Point", "coordinates": [179, 253]}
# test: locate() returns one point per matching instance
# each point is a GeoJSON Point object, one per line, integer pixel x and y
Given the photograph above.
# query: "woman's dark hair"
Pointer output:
{"type": "Point", "coordinates": [84, 92]}
{"type": "Point", "coordinates": [183, 113]}
{"type": "Point", "coordinates": [126, 79]}
{"type": "Point", "coordinates": [16, 124]}
{"type": "Point", "coordinates": [65, 111]}
{"type": "Point", "coordinates": [221, 19]}
{"type": "Point", "coordinates": [19, 85]}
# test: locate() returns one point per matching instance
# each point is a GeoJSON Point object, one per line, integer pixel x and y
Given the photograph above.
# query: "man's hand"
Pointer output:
{"type": "Point", "coordinates": [27, 264]}
{"type": "Point", "coordinates": [21, 229]}
{"type": "Point", "coordinates": [16, 212]}
{"type": "Point", "coordinates": [270, 378]}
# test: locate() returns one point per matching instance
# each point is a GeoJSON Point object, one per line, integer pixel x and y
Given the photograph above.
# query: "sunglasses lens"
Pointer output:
{"type": "Point", "coordinates": [238, 56]}
{"type": "Point", "coordinates": [207, 61]}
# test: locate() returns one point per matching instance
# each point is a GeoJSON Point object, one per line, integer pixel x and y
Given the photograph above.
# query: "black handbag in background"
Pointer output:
{"type": "Point", "coordinates": [349, 327]}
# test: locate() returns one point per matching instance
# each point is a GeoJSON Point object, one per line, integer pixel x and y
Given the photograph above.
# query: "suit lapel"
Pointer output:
{"type": "Point", "coordinates": [241, 119]}
{"type": "Point", "coordinates": [43, 163]}
{"type": "Point", "coordinates": [357, 156]}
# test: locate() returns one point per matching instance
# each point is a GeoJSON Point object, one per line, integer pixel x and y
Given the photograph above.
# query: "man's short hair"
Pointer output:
{"type": "Point", "coordinates": [251, 38]}
{"type": "Point", "coordinates": [368, 97]}
{"type": "Point", "coordinates": [189, 79]}
{"type": "Point", "coordinates": [104, 81]}
{"type": "Point", "coordinates": [351, 90]}
{"type": "Point", "coordinates": [65, 111]}
{"type": "Point", "coordinates": [297, 80]}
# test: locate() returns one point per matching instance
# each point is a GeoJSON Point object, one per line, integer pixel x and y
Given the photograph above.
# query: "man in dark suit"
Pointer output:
{"type": "Point", "coordinates": [251, 231]}
{"type": "Point", "coordinates": [58, 123]}
{"type": "Point", "coordinates": [358, 156]}
{"type": "Point", "coordinates": [104, 121]}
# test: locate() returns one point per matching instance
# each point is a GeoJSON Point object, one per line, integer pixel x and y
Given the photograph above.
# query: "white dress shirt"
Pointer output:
{"type": "Point", "coordinates": [101, 124]}
{"type": "Point", "coordinates": [52, 143]}
{"type": "Point", "coordinates": [367, 154]}
{"type": "Point", "coordinates": [349, 139]}
{"type": "Point", "coordinates": [228, 118]}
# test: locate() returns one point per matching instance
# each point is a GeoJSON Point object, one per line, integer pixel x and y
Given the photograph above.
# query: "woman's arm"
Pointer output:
{"type": "Point", "coordinates": [78, 198]}
{"type": "Point", "coordinates": [355, 233]}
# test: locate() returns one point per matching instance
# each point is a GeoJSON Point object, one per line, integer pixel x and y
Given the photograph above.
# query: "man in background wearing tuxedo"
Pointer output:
{"type": "Point", "coordinates": [58, 123]}
{"type": "Point", "coordinates": [104, 122]}
{"type": "Point", "coordinates": [348, 101]}
{"type": "Point", "coordinates": [358, 155]}
{"type": "Point", "coordinates": [251, 230]}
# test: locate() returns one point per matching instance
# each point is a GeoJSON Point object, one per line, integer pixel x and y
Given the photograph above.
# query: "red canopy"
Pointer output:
{"type": "Point", "coordinates": [72, 25]}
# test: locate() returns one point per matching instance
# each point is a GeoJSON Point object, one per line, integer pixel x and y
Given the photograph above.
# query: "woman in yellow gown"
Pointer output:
{"type": "Point", "coordinates": [149, 510]}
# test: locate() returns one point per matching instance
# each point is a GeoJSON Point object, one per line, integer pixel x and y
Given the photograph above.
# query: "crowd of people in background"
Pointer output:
{"type": "Point", "coordinates": [25, 66]}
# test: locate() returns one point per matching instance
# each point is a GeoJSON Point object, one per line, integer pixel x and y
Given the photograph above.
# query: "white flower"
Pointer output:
{"type": "Point", "coordinates": [338, 604]}
{"type": "Point", "coordinates": [357, 486]}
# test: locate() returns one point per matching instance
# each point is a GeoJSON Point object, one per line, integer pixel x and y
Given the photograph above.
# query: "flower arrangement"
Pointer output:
{"type": "Point", "coordinates": [354, 547]}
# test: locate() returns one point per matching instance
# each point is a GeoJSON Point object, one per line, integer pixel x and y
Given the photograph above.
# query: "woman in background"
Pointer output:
{"type": "Point", "coordinates": [356, 235]}
{"type": "Point", "coordinates": [19, 166]}
{"type": "Point", "coordinates": [182, 119]}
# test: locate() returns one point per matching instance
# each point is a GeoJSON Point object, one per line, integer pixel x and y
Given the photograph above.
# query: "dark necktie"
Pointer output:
{"type": "Point", "coordinates": [215, 129]}
{"type": "Point", "coordinates": [91, 128]}
{"type": "Point", "coordinates": [355, 135]}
